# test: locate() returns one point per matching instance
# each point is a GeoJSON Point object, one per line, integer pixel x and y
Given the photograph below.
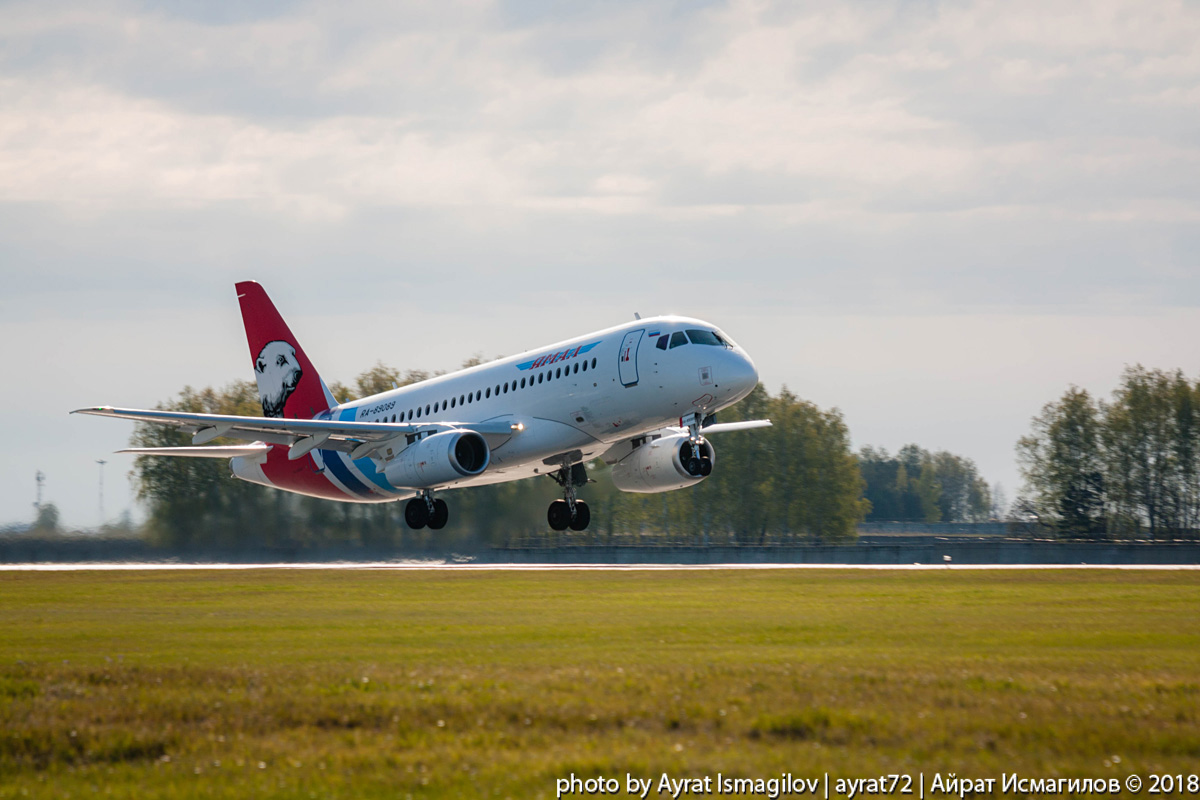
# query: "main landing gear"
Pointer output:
{"type": "Point", "coordinates": [569, 512]}
{"type": "Point", "coordinates": [425, 510]}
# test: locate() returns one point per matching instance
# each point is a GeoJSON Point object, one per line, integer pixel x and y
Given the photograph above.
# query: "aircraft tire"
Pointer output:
{"type": "Point", "coordinates": [416, 513]}
{"type": "Point", "coordinates": [440, 515]}
{"type": "Point", "coordinates": [559, 516]}
{"type": "Point", "coordinates": [694, 465]}
{"type": "Point", "coordinates": [582, 516]}
{"type": "Point", "coordinates": [705, 467]}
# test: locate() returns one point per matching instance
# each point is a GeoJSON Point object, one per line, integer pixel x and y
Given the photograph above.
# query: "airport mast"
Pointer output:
{"type": "Point", "coordinates": [101, 462]}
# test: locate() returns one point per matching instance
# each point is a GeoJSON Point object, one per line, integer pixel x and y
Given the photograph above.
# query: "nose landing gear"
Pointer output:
{"type": "Point", "coordinates": [695, 453]}
{"type": "Point", "coordinates": [569, 512]}
{"type": "Point", "coordinates": [425, 510]}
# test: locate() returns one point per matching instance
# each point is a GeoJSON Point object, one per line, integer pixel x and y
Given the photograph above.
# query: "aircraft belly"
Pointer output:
{"type": "Point", "coordinates": [541, 439]}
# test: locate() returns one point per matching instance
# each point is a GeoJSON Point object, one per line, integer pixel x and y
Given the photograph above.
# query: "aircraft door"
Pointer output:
{"type": "Point", "coordinates": [627, 360]}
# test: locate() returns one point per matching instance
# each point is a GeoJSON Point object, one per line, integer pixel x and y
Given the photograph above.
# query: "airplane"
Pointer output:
{"type": "Point", "coordinates": [640, 396]}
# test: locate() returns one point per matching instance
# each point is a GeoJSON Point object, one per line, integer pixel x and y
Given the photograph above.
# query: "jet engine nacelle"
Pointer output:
{"type": "Point", "coordinates": [661, 465]}
{"type": "Point", "coordinates": [439, 459]}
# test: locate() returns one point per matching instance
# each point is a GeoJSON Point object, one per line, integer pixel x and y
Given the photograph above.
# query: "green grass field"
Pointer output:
{"type": "Point", "coordinates": [387, 684]}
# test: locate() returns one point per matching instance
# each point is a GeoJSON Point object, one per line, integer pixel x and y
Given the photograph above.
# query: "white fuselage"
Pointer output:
{"type": "Point", "coordinates": [585, 394]}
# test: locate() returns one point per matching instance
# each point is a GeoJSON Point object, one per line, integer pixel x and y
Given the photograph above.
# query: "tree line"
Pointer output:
{"type": "Point", "coordinates": [1128, 467]}
{"type": "Point", "coordinates": [916, 485]}
{"type": "Point", "coordinates": [796, 482]}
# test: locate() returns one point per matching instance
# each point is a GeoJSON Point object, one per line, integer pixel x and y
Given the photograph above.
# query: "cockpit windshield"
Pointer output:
{"type": "Point", "coordinates": [704, 337]}
{"type": "Point", "coordinates": [693, 336]}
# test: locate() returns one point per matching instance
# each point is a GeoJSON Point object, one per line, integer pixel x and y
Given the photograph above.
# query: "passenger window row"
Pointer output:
{"type": "Point", "coordinates": [483, 394]}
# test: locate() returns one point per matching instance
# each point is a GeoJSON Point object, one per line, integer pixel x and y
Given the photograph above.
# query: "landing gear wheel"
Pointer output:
{"type": "Point", "coordinates": [694, 466]}
{"type": "Point", "coordinates": [440, 515]}
{"type": "Point", "coordinates": [582, 516]}
{"type": "Point", "coordinates": [416, 513]}
{"type": "Point", "coordinates": [705, 467]}
{"type": "Point", "coordinates": [559, 515]}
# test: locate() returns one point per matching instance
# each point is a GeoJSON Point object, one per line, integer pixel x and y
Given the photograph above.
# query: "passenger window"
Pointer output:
{"type": "Point", "coordinates": [453, 402]}
{"type": "Point", "coordinates": [497, 390]}
{"type": "Point", "coordinates": [703, 337]}
{"type": "Point", "coordinates": [435, 406]}
{"type": "Point", "coordinates": [522, 383]}
{"type": "Point", "coordinates": [678, 339]}
{"type": "Point", "coordinates": [488, 393]}
{"type": "Point", "coordinates": [418, 413]}
{"type": "Point", "coordinates": [585, 366]}
{"type": "Point", "coordinates": [576, 370]}
{"type": "Point", "coordinates": [593, 363]}
{"type": "Point", "coordinates": [426, 409]}
{"type": "Point", "coordinates": [541, 376]}
{"type": "Point", "coordinates": [558, 372]}
{"type": "Point", "coordinates": [662, 342]}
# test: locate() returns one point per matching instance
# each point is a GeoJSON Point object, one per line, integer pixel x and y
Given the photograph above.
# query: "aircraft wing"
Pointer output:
{"type": "Point", "coordinates": [215, 451]}
{"type": "Point", "coordinates": [723, 427]}
{"type": "Point", "coordinates": [301, 435]}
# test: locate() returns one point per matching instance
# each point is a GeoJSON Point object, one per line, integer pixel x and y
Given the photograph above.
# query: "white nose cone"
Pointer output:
{"type": "Point", "coordinates": [740, 375]}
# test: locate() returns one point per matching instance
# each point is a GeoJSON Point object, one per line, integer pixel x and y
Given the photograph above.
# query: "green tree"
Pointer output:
{"type": "Point", "coordinates": [964, 495]}
{"type": "Point", "coordinates": [47, 519]}
{"type": "Point", "coordinates": [1062, 464]}
{"type": "Point", "coordinates": [1150, 436]}
{"type": "Point", "coordinates": [919, 486]}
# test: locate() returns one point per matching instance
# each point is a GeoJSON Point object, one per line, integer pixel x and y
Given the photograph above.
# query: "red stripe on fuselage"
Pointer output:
{"type": "Point", "coordinates": [300, 476]}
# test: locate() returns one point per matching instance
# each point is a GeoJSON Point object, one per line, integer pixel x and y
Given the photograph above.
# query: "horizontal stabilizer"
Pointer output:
{"type": "Point", "coordinates": [725, 427]}
{"type": "Point", "coordinates": [228, 451]}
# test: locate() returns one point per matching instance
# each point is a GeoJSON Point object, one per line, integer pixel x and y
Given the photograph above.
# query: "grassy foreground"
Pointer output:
{"type": "Point", "coordinates": [470, 684]}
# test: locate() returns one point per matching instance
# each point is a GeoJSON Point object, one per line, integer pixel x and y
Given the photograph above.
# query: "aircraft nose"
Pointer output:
{"type": "Point", "coordinates": [741, 375]}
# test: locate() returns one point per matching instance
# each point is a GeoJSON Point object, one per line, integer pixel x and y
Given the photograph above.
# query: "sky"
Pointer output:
{"type": "Point", "coordinates": [934, 217]}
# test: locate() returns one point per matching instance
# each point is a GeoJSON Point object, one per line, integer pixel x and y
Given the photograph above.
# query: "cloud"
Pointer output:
{"type": "Point", "coordinates": [532, 165]}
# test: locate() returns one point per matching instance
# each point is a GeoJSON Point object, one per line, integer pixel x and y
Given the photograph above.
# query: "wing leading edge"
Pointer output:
{"type": "Point", "coordinates": [360, 439]}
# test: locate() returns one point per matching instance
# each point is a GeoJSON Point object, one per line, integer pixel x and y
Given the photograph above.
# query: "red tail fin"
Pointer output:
{"type": "Point", "coordinates": [288, 383]}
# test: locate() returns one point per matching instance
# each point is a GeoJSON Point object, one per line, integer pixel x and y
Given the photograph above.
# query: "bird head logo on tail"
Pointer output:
{"type": "Point", "coordinates": [278, 373]}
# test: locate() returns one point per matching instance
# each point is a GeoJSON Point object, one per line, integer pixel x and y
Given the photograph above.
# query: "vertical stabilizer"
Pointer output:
{"type": "Point", "coordinates": [288, 383]}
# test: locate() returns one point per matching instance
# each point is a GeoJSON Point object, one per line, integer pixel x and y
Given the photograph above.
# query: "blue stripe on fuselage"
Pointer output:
{"type": "Point", "coordinates": [367, 467]}
{"type": "Point", "coordinates": [333, 462]}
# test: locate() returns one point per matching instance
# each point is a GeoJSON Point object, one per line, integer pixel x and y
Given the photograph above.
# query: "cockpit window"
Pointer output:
{"type": "Point", "coordinates": [704, 337]}
{"type": "Point", "coordinates": [678, 339]}
{"type": "Point", "coordinates": [663, 341]}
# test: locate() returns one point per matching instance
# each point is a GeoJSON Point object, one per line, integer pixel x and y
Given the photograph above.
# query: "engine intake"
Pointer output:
{"type": "Point", "coordinates": [439, 459]}
{"type": "Point", "coordinates": [661, 465]}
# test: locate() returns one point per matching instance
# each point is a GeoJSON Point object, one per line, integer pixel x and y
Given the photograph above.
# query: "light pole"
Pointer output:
{"type": "Point", "coordinates": [101, 462]}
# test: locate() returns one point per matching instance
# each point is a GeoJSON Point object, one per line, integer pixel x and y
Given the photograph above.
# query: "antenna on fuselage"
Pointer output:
{"type": "Point", "coordinates": [636, 315]}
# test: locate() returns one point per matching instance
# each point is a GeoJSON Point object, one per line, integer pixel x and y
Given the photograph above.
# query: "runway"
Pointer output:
{"type": "Point", "coordinates": [427, 566]}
